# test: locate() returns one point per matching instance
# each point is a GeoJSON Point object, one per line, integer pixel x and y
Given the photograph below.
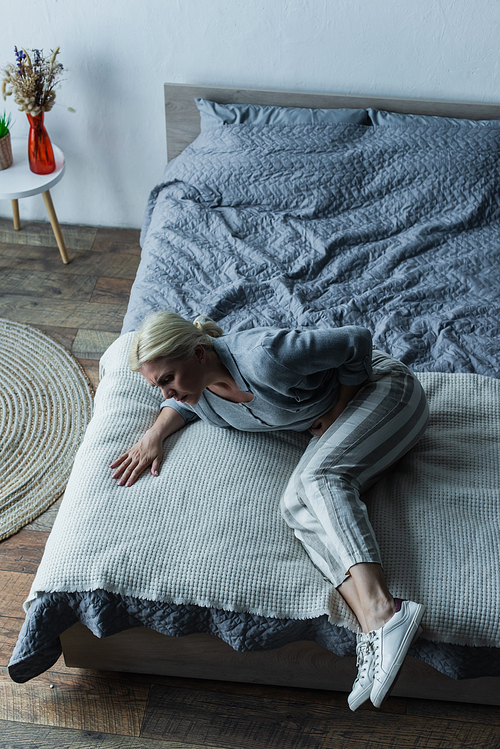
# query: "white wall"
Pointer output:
{"type": "Point", "coordinates": [118, 54]}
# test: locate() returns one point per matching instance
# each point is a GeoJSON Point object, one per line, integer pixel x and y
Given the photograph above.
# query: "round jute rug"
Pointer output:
{"type": "Point", "coordinates": [45, 406]}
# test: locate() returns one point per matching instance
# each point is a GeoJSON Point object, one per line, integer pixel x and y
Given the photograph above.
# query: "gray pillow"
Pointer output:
{"type": "Point", "coordinates": [379, 117]}
{"type": "Point", "coordinates": [214, 115]}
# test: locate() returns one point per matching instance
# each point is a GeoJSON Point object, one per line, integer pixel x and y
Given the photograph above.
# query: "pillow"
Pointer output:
{"type": "Point", "coordinates": [378, 117]}
{"type": "Point", "coordinates": [214, 115]}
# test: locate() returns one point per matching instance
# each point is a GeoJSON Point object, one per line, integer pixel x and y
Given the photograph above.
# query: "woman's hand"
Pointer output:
{"type": "Point", "coordinates": [147, 452]}
{"type": "Point", "coordinates": [324, 422]}
{"type": "Point", "coordinates": [347, 393]}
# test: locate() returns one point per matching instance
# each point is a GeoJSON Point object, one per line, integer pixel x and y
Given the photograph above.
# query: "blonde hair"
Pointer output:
{"type": "Point", "coordinates": [167, 335]}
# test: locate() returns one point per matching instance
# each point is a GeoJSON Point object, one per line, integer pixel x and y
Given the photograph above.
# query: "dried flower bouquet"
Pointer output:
{"type": "Point", "coordinates": [32, 80]}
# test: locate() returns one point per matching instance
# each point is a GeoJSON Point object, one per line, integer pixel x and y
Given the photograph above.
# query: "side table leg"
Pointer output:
{"type": "Point", "coordinates": [55, 226]}
{"type": "Point", "coordinates": [15, 214]}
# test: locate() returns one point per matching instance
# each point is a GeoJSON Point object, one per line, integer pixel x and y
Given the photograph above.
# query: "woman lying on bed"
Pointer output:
{"type": "Point", "coordinates": [364, 409]}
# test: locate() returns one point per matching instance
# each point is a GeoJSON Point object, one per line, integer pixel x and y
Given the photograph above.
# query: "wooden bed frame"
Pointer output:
{"type": "Point", "coordinates": [300, 664]}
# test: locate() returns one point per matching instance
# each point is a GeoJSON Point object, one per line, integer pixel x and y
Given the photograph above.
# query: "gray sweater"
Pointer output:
{"type": "Point", "coordinates": [294, 376]}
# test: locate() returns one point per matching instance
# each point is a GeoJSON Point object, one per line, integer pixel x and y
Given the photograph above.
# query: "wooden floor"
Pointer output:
{"type": "Point", "coordinates": [82, 305]}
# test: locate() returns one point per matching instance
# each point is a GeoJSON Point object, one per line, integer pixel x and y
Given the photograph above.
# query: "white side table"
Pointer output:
{"type": "Point", "coordinates": [18, 181]}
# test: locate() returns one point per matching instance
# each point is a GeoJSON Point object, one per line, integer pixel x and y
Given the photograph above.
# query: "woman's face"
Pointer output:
{"type": "Point", "coordinates": [183, 380]}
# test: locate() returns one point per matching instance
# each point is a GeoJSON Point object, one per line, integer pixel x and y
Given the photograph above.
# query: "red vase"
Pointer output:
{"type": "Point", "coordinates": [40, 154]}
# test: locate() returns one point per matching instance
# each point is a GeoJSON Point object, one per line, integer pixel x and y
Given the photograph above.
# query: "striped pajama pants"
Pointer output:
{"type": "Point", "coordinates": [322, 499]}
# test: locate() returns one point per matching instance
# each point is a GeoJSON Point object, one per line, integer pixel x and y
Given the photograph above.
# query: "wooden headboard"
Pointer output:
{"type": "Point", "coordinates": [183, 119]}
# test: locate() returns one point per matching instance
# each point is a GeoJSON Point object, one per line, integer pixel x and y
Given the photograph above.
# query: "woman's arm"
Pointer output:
{"type": "Point", "coordinates": [149, 450]}
{"type": "Point", "coordinates": [347, 393]}
{"type": "Point", "coordinates": [300, 356]}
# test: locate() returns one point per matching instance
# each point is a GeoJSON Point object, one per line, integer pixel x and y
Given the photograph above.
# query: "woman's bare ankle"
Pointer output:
{"type": "Point", "coordinates": [379, 614]}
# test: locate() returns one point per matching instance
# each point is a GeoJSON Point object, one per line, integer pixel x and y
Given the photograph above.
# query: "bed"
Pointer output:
{"type": "Point", "coordinates": [301, 210]}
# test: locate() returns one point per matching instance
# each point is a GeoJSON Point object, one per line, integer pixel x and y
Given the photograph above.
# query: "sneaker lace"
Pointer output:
{"type": "Point", "coordinates": [364, 649]}
{"type": "Point", "coordinates": [376, 650]}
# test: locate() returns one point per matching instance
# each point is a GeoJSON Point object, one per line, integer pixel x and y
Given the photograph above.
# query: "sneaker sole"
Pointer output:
{"type": "Point", "coordinates": [412, 635]}
{"type": "Point", "coordinates": [396, 678]}
{"type": "Point", "coordinates": [360, 699]}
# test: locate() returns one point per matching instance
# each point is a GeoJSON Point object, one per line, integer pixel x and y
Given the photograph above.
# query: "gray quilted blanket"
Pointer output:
{"type": "Point", "coordinates": [394, 228]}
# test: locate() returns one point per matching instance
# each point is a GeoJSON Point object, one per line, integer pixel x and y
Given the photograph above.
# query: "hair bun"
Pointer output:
{"type": "Point", "coordinates": [201, 320]}
{"type": "Point", "coordinates": [207, 326]}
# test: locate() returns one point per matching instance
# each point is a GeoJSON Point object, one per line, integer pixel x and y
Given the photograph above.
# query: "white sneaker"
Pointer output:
{"type": "Point", "coordinates": [391, 644]}
{"type": "Point", "coordinates": [363, 683]}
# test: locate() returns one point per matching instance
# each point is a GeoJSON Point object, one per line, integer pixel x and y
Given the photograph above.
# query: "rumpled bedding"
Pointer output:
{"type": "Point", "coordinates": [394, 228]}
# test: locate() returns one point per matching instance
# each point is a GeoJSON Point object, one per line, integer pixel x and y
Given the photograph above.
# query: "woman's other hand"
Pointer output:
{"type": "Point", "coordinates": [147, 452]}
{"type": "Point", "coordinates": [324, 422]}
{"type": "Point", "coordinates": [347, 393]}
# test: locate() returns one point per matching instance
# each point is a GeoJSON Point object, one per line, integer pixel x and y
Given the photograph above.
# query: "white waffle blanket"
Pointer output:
{"type": "Point", "coordinates": [208, 529]}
